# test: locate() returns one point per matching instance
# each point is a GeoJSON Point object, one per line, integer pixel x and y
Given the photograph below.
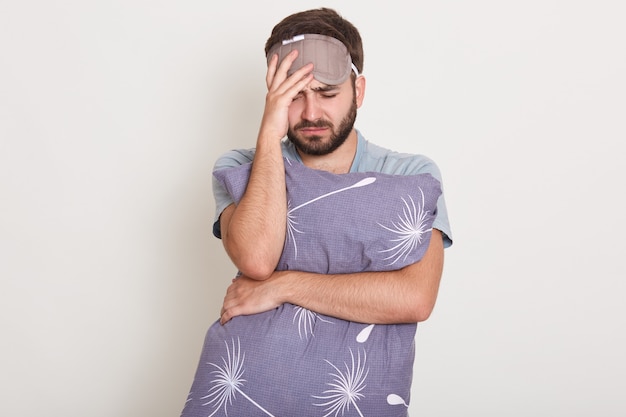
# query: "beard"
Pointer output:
{"type": "Point", "coordinates": [314, 145]}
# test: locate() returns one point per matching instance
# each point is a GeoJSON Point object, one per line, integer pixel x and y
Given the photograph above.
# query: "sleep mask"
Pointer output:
{"type": "Point", "coordinates": [331, 60]}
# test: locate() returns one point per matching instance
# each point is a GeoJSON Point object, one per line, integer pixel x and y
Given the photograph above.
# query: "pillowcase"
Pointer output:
{"type": "Point", "coordinates": [343, 223]}
{"type": "Point", "coordinates": [291, 361]}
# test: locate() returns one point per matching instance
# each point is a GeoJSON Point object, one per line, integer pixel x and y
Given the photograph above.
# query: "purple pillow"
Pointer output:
{"type": "Point", "coordinates": [291, 361]}
{"type": "Point", "coordinates": [341, 223]}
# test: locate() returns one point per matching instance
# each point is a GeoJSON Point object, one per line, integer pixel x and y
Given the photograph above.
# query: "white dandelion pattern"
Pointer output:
{"type": "Point", "coordinates": [292, 228]}
{"type": "Point", "coordinates": [229, 381]}
{"type": "Point", "coordinates": [410, 230]}
{"type": "Point", "coordinates": [395, 399]}
{"type": "Point", "coordinates": [365, 334]}
{"type": "Point", "coordinates": [306, 319]}
{"type": "Point", "coordinates": [346, 387]}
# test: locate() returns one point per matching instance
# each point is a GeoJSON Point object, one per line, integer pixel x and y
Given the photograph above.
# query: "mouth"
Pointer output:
{"type": "Point", "coordinates": [310, 131]}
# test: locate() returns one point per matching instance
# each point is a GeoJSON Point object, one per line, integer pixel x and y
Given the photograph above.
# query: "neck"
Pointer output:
{"type": "Point", "coordinates": [337, 162]}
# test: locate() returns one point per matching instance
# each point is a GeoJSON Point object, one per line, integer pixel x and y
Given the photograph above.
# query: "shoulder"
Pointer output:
{"type": "Point", "coordinates": [234, 158]}
{"type": "Point", "coordinates": [237, 157]}
{"type": "Point", "coordinates": [380, 159]}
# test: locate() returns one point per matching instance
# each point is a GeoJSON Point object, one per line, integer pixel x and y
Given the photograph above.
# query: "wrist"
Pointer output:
{"type": "Point", "coordinates": [271, 133]}
{"type": "Point", "coordinates": [283, 289]}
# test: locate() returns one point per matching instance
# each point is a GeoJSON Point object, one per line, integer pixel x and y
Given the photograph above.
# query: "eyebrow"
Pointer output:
{"type": "Point", "coordinates": [325, 88]}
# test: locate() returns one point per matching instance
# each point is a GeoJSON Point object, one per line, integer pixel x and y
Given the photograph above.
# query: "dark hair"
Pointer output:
{"type": "Point", "coordinates": [321, 21]}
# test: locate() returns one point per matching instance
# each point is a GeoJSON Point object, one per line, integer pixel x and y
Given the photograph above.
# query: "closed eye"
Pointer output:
{"type": "Point", "coordinates": [326, 92]}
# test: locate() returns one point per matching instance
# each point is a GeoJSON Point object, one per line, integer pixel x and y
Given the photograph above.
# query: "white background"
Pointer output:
{"type": "Point", "coordinates": [113, 112]}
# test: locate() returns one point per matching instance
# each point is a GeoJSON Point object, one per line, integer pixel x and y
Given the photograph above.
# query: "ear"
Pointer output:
{"type": "Point", "coordinates": [359, 87]}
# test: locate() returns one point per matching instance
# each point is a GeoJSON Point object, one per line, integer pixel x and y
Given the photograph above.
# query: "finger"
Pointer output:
{"type": "Point", "coordinates": [301, 79]}
{"type": "Point", "coordinates": [226, 314]}
{"type": "Point", "coordinates": [224, 319]}
{"type": "Point", "coordinates": [226, 304]}
{"type": "Point", "coordinates": [278, 71]}
{"type": "Point", "coordinates": [286, 91]}
{"type": "Point", "coordinates": [271, 70]}
{"type": "Point", "coordinates": [280, 75]}
{"type": "Point", "coordinates": [230, 313]}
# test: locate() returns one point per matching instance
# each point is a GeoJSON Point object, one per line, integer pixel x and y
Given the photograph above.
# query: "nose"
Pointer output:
{"type": "Point", "coordinates": [312, 110]}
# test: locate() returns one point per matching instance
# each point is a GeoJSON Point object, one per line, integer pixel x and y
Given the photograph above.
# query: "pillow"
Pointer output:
{"type": "Point", "coordinates": [342, 223]}
{"type": "Point", "coordinates": [290, 361]}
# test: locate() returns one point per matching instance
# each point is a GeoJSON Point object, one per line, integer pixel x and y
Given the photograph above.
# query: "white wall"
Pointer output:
{"type": "Point", "coordinates": [112, 113]}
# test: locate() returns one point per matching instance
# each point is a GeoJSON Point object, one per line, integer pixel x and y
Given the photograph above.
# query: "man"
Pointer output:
{"type": "Point", "coordinates": [318, 120]}
{"type": "Point", "coordinates": [314, 105]}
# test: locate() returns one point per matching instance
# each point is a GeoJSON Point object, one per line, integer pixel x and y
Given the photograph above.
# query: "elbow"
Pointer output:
{"type": "Point", "coordinates": [421, 310]}
{"type": "Point", "coordinates": [256, 272]}
{"type": "Point", "coordinates": [422, 313]}
{"type": "Point", "coordinates": [253, 264]}
{"type": "Point", "coordinates": [255, 268]}
{"type": "Point", "coordinates": [416, 315]}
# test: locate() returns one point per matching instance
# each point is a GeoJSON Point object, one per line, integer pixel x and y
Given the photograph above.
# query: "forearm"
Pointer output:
{"type": "Point", "coordinates": [407, 295]}
{"type": "Point", "coordinates": [368, 297]}
{"type": "Point", "coordinates": [254, 230]}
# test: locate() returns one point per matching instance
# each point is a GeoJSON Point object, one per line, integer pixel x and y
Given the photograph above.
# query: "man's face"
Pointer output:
{"type": "Point", "coordinates": [321, 117]}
